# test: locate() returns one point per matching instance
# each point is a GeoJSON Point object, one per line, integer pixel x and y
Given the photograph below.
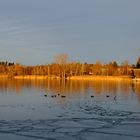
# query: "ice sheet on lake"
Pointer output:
{"type": "Point", "coordinates": [77, 122]}
{"type": "Point", "coordinates": [72, 129]}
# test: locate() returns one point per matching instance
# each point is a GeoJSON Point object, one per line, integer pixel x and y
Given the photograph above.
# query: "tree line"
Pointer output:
{"type": "Point", "coordinates": [62, 68]}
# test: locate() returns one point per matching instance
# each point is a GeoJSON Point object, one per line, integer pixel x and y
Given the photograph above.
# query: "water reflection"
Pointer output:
{"type": "Point", "coordinates": [136, 89]}
{"type": "Point", "coordinates": [96, 87]}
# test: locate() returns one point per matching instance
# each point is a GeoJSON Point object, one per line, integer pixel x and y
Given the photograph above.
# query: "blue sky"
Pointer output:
{"type": "Point", "coordinates": [35, 31]}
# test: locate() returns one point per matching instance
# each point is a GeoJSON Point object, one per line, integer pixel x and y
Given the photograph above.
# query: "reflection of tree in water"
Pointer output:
{"type": "Point", "coordinates": [18, 85]}
{"type": "Point", "coordinates": [110, 87]}
{"type": "Point", "coordinates": [63, 86]}
{"type": "Point", "coordinates": [136, 89]}
{"type": "Point", "coordinates": [10, 85]}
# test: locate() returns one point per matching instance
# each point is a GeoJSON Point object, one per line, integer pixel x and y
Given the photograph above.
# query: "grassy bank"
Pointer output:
{"type": "Point", "coordinates": [30, 77]}
{"type": "Point", "coordinates": [35, 77]}
{"type": "Point", "coordinates": [86, 77]}
{"type": "Point", "coordinates": [24, 77]}
{"type": "Point", "coordinates": [4, 76]}
{"type": "Point", "coordinates": [100, 78]}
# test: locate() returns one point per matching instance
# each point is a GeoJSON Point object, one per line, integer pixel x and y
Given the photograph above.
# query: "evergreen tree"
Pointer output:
{"type": "Point", "coordinates": [138, 63]}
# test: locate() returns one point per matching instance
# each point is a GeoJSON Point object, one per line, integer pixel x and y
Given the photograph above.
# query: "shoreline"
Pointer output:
{"type": "Point", "coordinates": [100, 78]}
{"type": "Point", "coordinates": [84, 77]}
{"type": "Point", "coordinates": [39, 77]}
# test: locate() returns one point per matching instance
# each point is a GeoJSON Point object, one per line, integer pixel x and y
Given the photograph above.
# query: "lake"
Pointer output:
{"type": "Point", "coordinates": [69, 109]}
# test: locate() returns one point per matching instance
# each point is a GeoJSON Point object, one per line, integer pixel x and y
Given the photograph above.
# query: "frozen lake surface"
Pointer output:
{"type": "Point", "coordinates": [72, 110]}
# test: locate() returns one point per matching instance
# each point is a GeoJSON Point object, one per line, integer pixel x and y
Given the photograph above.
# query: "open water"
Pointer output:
{"type": "Point", "coordinates": [72, 110]}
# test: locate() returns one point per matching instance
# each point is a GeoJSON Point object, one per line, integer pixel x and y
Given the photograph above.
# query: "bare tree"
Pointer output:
{"type": "Point", "coordinates": [62, 59]}
{"type": "Point", "coordinates": [125, 65]}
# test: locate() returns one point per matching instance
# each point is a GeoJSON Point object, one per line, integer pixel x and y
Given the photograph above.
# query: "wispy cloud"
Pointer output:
{"type": "Point", "coordinates": [100, 29]}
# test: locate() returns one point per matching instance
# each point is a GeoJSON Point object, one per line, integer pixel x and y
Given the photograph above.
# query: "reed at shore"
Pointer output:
{"type": "Point", "coordinates": [100, 78]}
{"type": "Point", "coordinates": [83, 77]}
{"type": "Point", "coordinates": [35, 77]}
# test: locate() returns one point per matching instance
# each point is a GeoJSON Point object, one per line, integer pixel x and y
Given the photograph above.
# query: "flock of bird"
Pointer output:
{"type": "Point", "coordinates": [54, 96]}
{"type": "Point", "coordinates": [107, 96]}
{"type": "Point", "coordinates": [63, 96]}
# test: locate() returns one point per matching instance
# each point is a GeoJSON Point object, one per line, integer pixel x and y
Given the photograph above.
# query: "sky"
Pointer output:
{"type": "Point", "coordinates": [34, 32]}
